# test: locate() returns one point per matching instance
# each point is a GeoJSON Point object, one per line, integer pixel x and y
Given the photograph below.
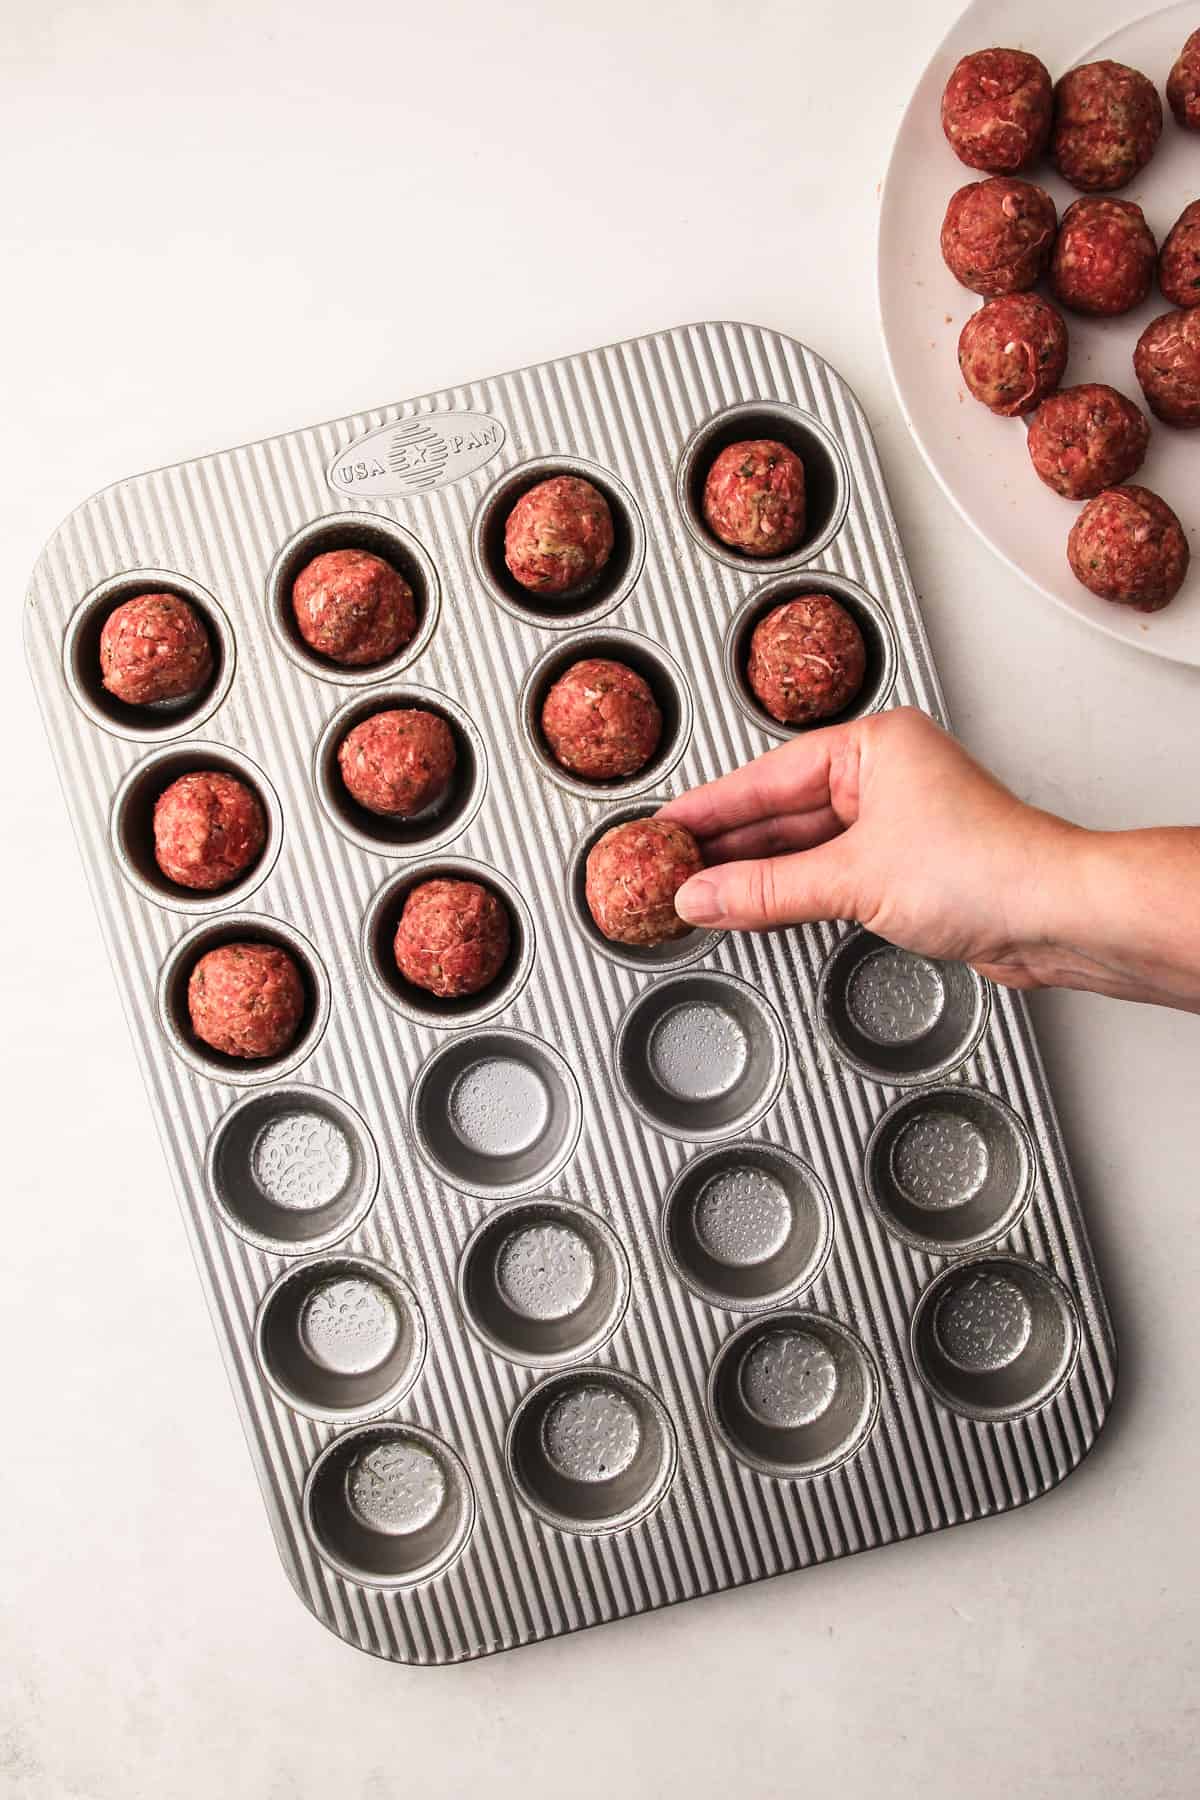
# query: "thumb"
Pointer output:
{"type": "Point", "coordinates": [773, 890]}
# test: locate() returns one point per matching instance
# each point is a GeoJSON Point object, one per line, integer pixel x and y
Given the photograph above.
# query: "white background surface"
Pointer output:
{"type": "Point", "coordinates": [225, 221]}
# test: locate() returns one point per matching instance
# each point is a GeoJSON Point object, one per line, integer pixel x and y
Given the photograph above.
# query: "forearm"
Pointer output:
{"type": "Point", "coordinates": [1123, 917]}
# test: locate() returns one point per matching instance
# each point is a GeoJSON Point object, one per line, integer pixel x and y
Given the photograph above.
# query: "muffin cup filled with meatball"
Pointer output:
{"type": "Point", "coordinates": [449, 942]}
{"type": "Point", "coordinates": [762, 486]}
{"type": "Point", "coordinates": [243, 1001]}
{"type": "Point", "coordinates": [1104, 258]}
{"type": "Point", "coordinates": [400, 770]}
{"type": "Point", "coordinates": [1013, 352]}
{"type": "Point", "coordinates": [1088, 438]}
{"type": "Point", "coordinates": [622, 878]}
{"type": "Point", "coordinates": [354, 598]}
{"type": "Point", "coordinates": [1107, 121]}
{"type": "Point", "coordinates": [996, 110]}
{"type": "Point", "coordinates": [998, 235]}
{"type": "Point", "coordinates": [606, 712]}
{"type": "Point", "coordinates": [809, 650]}
{"type": "Point", "coordinates": [558, 540]}
{"type": "Point", "coordinates": [148, 655]}
{"type": "Point", "coordinates": [1166, 362]}
{"type": "Point", "coordinates": [1129, 547]}
{"type": "Point", "coordinates": [196, 828]}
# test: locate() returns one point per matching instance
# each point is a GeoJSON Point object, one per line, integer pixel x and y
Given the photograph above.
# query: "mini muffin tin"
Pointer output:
{"type": "Point", "coordinates": [647, 1272]}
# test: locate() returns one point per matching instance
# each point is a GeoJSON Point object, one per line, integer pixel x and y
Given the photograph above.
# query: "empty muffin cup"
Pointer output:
{"type": "Point", "coordinates": [292, 1169]}
{"type": "Point", "coordinates": [160, 719]}
{"type": "Point", "coordinates": [676, 953]}
{"type": "Point", "coordinates": [662, 675]}
{"type": "Point", "coordinates": [701, 1055]}
{"type": "Point", "coordinates": [131, 827]}
{"type": "Point", "coordinates": [496, 1113]}
{"type": "Point", "coordinates": [436, 824]}
{"type": "Point", "coordinates": [591, 1450]}
{"type": "Point", "coordinates": [949, 1169]}
{"type": "Point", "coordinates": [614, 582]}
{"type": "Point", "coordinates": [340, 1337]}
{"type": "Point", "coordinates": [175, 1019]}
{"type": "Point", "coordinates": [388, 1505]}
{"type": "Point", "coordinates": [447, 1012]}
{"type": "Point", "coordinates": [380, 537]}
{"type": "Point", "coordinates": [747, 1225]}
{"type": "Point", "coordinates": [543, 1282]}
{"type": "Point", "coordinates": [897, 1017]}
{"type": "Point", "coordinates": [826, 479]}
{"type": "Point", "coordinates": [879, 641]}
{"type": "Point", "coordinates": [995, 1338]}
{"type": "Point", "coordinates": [794, 1394]}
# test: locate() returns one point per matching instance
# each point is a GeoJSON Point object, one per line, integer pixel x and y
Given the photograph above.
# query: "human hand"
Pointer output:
{"type": "Point", "coordinates": [887, 821]}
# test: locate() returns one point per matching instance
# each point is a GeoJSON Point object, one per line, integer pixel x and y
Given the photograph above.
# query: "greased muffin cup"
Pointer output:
{"type": "Point", "coordinates": [642, 1271]}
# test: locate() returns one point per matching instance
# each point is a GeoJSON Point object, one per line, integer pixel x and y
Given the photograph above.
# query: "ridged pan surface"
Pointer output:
{"type": "Point", "coordinates": [652, 1275]}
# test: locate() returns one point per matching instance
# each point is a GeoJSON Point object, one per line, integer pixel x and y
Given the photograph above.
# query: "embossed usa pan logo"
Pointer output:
{"type": "Point", "coordinates": [409, 456]}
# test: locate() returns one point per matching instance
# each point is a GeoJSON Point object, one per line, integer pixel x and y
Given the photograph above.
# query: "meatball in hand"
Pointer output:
{"type": "Point", "coordinates": [633, 874]}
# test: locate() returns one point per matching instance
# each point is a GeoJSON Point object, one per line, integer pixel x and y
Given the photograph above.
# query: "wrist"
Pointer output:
{"type": "Point", "coordinates": [1115, 914]}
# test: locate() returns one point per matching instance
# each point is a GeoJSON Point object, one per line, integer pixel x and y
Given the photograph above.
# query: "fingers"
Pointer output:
{"type": "Point", "coordinates": [770, 891]}
{"type": "Point", "coordinates": [792, 779]}
{"type": "Point", "coordinates": [773, 837]}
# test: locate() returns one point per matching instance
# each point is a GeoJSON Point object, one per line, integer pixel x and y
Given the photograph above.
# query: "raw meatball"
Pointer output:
{"type": "Point", "coordinates": [807, 659]}
{"type": "Point", "coordinates": [1127, 545]}
{"type": "Point", "coordinates": [998, 235]}
{"type": "Point", "coordinates": [1167, 363]}
{"type": "Point", "coordinates": [1012, 352]}
{"type": "Point", "coordinates": [754, 497]}
{"type": "Point", "coordinates": [399, 762]}
{"type": "Point", "coordinates": [154, 647]}
{"type": "Point", "coordinates": [453, 937]}
{"type": "Point", "coordinates": [633, 874]}
{"type": "Point", "coordinates": [246, 1000]}
{"type": "Point", "coordinates": [1179, 264]}
{"type": "Point", "coordinates": [209, 828]}
{"type": "Point", "coordinates": [1183, 85]}
{"type": "Point", "coordinates": [601, 720]}
{"type": "Point", "coordinates": [558, 536]}
{"type": "Point", "coordinates": [1107, 120]}
{"type": "Point", "coordinates": [996, 110]}
{"type": "Point", "coordinates": [353, 607]}
{"type": "Point", "coordinates": [1084, 439]}
{"type": "Point", "coordinates": [1104, 258]}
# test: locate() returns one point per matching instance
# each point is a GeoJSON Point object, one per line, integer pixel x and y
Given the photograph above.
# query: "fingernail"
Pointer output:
{"type": "Point", "coordinates": [699, 901]}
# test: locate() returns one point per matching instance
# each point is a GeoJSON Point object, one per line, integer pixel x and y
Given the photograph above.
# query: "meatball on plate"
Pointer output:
{"type": "Point", "coordinates": [1026, 403]}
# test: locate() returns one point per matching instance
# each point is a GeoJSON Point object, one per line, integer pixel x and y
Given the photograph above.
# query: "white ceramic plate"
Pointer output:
{"type": "Point", "coordinates": [980, 460]}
